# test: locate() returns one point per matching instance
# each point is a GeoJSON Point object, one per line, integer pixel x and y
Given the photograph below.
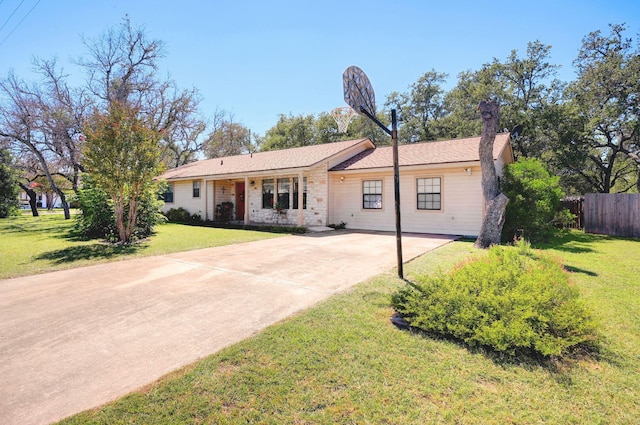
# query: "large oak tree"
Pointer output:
{"type": "Point", "coordinates": [597, 129]}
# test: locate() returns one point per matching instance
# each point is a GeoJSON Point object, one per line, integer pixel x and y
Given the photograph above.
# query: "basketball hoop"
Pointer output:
{"type": "Point", "coordinates": [343, 117]}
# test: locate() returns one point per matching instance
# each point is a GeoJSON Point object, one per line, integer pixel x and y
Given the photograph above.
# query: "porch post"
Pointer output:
{"type": "Point", "coordinates": [206, 200]}
{"type": "Point", "coordinates": [214, 183]}
{"type": "Point", "coordinates": [300, 200]}
{"type": "Point", "coordinates": [247, 220]}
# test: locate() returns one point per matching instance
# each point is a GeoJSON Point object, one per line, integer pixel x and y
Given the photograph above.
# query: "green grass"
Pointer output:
{"type": "Point", "coordinates": [41, 244]}
{"type": "Point", "coordinates": [342, 362]}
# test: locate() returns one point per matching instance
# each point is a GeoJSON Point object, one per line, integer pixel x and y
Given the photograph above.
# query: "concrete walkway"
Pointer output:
{"type": "Point", "coordinates": [75, 339]}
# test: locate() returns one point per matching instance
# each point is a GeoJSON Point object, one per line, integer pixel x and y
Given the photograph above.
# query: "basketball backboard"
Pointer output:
{"type": "Point", "coordinates": [358, 92]}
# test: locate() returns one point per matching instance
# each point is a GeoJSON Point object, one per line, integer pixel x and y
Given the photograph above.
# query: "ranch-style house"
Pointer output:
{"type": "Point", "coordinates": [347, 182]}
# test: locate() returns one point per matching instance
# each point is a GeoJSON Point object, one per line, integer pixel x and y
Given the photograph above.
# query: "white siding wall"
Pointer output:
{"type": "Point", "coordinates": [183, 197]}
{"type": "Point", "coordinates": [221, 191]}
{"type": "Point", "coordinates": [461, 212]}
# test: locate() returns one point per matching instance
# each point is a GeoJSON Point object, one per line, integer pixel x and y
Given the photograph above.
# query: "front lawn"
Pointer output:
{"type": "Point", "coordinates": [343, 363]}
{"type": "Point", "coordinates": [46, 243]}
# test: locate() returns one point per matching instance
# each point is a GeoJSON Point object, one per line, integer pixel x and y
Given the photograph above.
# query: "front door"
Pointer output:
{"type": "Point", "coordinates": [240, 201]}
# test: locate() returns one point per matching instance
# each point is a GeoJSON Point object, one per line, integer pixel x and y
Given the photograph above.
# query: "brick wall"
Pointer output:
{"type": "Point", "coordinates": [317, 196]}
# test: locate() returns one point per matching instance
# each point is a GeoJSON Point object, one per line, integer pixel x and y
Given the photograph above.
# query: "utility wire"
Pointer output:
{"type": "Point", "coordinates": [18, 24]}
{"type": "Point", "coordinates": [10, 16]}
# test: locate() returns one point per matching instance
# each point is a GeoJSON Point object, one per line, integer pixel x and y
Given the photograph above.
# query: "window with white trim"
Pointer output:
{"type": "Point", "coordinates": [168, 193]}
{"type": "Point", "coordinates": [267, 193]}
{"type": "Point", "coordinates": [196, 188]}
{"type": "Point", "coordinates": [429, 193]}
{"type": "Point", "coordinates": [284, 189]}
{"type": "Point", "coordinates": [372, 194]}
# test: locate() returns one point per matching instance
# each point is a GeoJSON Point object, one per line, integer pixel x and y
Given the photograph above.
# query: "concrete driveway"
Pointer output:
{"type": "Point", "coordinates": [75, 339]}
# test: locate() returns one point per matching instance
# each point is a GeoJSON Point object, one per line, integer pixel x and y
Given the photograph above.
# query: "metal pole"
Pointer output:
{"type": "Point", "coordinates": [396, 178]}
{"type": "Point", "coordinates": [396, 187]}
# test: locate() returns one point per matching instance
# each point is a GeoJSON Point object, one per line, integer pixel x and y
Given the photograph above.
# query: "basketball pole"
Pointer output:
{"type": "Point", "coordinates": [396, 178]}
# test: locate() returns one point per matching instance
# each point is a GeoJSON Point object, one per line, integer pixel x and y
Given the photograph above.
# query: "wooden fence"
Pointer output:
{"type": "Point", "coordinates": [575, 206]}
{"type": "Point", "coordinates": [616, 214]}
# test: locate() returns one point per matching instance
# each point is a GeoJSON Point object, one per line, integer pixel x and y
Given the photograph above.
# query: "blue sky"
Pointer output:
{"type": "Point", "coordinates": [259, 59]}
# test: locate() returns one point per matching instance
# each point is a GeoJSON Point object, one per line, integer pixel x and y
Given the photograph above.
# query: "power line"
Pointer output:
{"type": "Point", "coordinates": [21, 20]}
{"type": "Point", "coordinates": [10, 16]}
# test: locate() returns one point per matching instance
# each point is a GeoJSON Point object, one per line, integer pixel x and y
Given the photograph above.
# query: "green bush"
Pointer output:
{"type": "Point", "coordinates": [178, 215]}
{"type": "Point", "coordinates": [8, 186]}
{"type": "Point", "coordinates": [97, 218]}
{"type": "Point", "coordinates": [149, 214]}
{"type": "Point", "coordinates": [513, 300]}
{"type": "Point", "coordinates": [533, 211]}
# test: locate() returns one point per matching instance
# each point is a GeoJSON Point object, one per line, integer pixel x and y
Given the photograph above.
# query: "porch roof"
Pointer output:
{"type": "Point", "coordinates": [424, 153]}
{"type": "Point", "coordinates": [300, 157]}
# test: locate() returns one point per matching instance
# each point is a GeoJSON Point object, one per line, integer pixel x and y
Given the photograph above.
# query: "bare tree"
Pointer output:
{"type": "Point", "coordinates": [122, 68]}
{"type": "Point", "coordinates": [122, 64]}
{"type": "Point", "coordinates": [23, 122]}
{"type": "Point", "coordinates": [496, 201]}
{"type": "Point", "coordinates": [174, 114]}
{"type": "Point", "coordinates": [47, 118]}
{"type": "Point", "coordinates": [63, 112]}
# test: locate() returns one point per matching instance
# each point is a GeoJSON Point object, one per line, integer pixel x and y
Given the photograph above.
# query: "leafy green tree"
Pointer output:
{"type": "Point", "coordinates": [8, 186]}
{"type": "Point", "coordinates": [361, 127]}
{"type": "Point", "coordinates": [294, 131]}
{"type": "Point", "coordinates": [289, 132]}
{"type": "Point", "coordinates": [529, 89]}
{"type": "Point", "coordinates": [122, 156]}
{"type": "Point", "coordinates": [462, 119]}
{"type": "Point", "coordinates": [534, 200]}
{"type": "Point", "coordinates": [421, 109]}
{"type": "Point", "coordinates": [524, 86]}
{"type": "Point", "coordinates": [229, 138]}
{"type": "Point", "coordinates": [600, 140]}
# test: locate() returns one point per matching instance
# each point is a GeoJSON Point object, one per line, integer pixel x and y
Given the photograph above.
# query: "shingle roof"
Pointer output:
{"type": "Point", "coordinates": [262, 161]}
{"type": "Point", "coordinates": [442, 152]}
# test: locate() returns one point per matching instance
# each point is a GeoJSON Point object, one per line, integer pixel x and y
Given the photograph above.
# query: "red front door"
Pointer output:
{"type": "Point", "coordinates": [240, 196]}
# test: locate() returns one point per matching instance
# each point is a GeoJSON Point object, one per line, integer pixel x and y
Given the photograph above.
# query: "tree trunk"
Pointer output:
{"type": "Point", "coordinates": [496, 202]}
{"type": "Point", "coordinates": [118, 210]}
{"type": "Point", "coordinates": [65, 205]}
{"type": "Point", "coordinates": [52, 183]}
{"type": "Point", "coordinates": [33, 199]}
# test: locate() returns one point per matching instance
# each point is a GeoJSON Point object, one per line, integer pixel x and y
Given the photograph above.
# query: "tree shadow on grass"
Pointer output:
{"type": "Point", "coordinates": [572, 269]}
{"type": "Point", "coordinates": [574, 242]}
{"type": "Point", "coordinates": [96, 251]}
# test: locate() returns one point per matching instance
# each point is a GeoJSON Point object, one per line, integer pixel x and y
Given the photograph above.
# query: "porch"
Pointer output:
{"type": "Point", "coordinates": [261, 200]}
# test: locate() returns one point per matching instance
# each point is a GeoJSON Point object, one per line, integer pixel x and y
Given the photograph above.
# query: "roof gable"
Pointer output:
{"type": "Point", "coordinates": [424, 153]}
{"type": "Point", "coordinates": [300, 157]}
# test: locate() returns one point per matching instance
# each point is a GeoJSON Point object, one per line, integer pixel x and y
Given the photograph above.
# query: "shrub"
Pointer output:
{"type": "Point", "coordinates": [534, 201]}
{"type": "Point", "coordinates": [8, 186]}
{"type": "Point", "coordinates": [97, 218]}
{"type": "Point", "coordinates": [513, 300]}
{"type": "Point", "coordinates": [178, 215]}
{"type": "Point", "coordinates": [149, 214]}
